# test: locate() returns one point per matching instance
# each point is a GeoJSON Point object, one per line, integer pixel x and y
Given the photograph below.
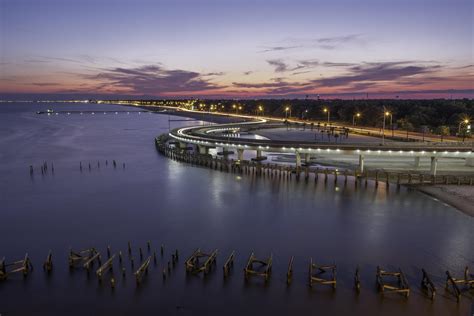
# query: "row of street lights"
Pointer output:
{"type": "Point", "coordinates": [357, 115]}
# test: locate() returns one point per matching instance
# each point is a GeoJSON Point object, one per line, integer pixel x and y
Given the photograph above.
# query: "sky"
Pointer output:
{"type": "Point", "coordinates": [237, 49]}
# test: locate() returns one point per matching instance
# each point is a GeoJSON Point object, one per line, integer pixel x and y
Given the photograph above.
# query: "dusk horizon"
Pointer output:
{"type": "Point", "coordinates": [237, 49]}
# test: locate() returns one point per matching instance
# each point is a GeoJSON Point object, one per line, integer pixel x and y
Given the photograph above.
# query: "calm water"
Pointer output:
{"type": "Point", "coordinates": [186, 207]}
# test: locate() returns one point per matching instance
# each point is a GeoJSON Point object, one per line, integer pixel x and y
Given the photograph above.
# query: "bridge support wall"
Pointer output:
{"type": "Point", "coordinates": [240, 154]}
{"type": "Point", "coordinates": [361, 163]}
{"type": "Point", "coordinates": [434, 166]}
{"type": "Point", "coordinates": [203, 149]}
{"type": "Point", "coordinates": [307, 158]}
{"type": "Point", "coordinates": [298, 159]}
{"type": "Point", "coordinates": [417, 162]}
{"type": "Point", "coordinates": [470, 162]}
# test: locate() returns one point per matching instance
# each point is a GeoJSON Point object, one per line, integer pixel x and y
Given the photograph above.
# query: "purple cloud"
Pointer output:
{"type": "Point", "coordinates": [278, 64]}
{"type": "Point", "coordinates": [376, 72]}
{"type": "Point", "coordinates": [155, 79]}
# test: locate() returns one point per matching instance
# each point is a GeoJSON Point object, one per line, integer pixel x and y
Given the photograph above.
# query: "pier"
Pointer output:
{"type": "Point", "coordinates": [388, 282]}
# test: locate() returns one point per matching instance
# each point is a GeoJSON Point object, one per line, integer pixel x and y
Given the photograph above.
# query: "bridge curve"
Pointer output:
{"type": "Point", "coordinates": [211, 136]}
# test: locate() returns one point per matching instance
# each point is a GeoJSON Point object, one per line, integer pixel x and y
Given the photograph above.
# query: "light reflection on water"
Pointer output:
{"type": "Point", "coordinates": [186, 207]}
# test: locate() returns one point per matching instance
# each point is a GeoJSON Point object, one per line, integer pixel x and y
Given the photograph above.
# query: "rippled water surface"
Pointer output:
{"type": "Point", "coordinates": [185, 207]}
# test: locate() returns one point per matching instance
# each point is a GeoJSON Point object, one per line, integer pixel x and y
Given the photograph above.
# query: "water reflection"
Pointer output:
{"type": "Point", "coordinates": [186, 207]}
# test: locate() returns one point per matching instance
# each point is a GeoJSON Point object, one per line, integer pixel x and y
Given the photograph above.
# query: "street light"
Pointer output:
{"type": "Point", "coordinates": [354, 117]}
{"type": "Point", "coordinates": [465, 121]}
{"type": "Point", "coordinates": [468, 127]}
{"type": "Point", "coordinates": [326, 110]}
{"type": "Point", "coordinates": [286, 112]}
{"type": "Point", "coordinates": [383, 128]}
{"type": "Point", "coordinates": [260, 109]}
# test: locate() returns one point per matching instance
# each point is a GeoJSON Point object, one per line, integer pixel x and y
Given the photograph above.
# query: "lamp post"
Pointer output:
{"type": "Point", "coordinates": [466, 122]}
{"type": "Point", "coordinates": [260, 109]}
{"type": "Point", "coordinates": [326, 110]}
{"type": "Point", "coordinates": [386, 113]}
{"type": "Point", "coordinates": [354, 117]}
{"type": "Point", "coordinates": [234, 107]}
{"type": "Point", "coordinates": [286, 112]}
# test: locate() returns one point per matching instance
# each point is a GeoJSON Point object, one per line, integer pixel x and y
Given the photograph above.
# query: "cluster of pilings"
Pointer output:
{"type": "Point", "coordinates": [102, 265]}
{"type": "Point", "coordinates": [280, 171]}
{"type": "Point", "coordinates": [44, 168]}
{"type": "Point", "coordinates": [90, 165]}
{"type": "Point", "coordinates": [93, 261]}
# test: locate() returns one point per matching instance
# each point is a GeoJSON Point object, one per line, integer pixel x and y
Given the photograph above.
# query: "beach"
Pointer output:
{"type": "Point", "coordinates": [460, 197]}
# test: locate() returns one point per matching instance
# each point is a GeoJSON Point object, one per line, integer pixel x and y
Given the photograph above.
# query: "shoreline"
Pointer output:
{"type": "Point", "coordinates": [459, 197]}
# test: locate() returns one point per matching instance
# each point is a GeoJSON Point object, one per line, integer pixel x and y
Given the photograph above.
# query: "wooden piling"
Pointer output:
{"type": "Point", "coordinates": [317, 278]}
{"type": "Point", "coordinates": [48, 264]}
{"type": "Point", "coordinates": [357, 284]}
{"type": "Point", "coordinates": [401, 286]}
{"type": "Point", "coordinates": [143, 269]}
{"type": "Point", "coordinates": [428, 285]}
{"type": "Point", "coordinates": [249, 269]}
{"type": "Point", "coordinates": [194, 265]}
{"type": "Point", "coordinates": [108, 265]}
{"type": "Point", "coordinates": [229, 263]}
{"type": "Point", "coordinates": [91, 260]}
{"type": "Point", "coordinates": [289, 273]}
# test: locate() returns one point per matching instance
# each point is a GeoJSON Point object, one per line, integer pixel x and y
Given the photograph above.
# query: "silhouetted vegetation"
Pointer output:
{"type": "Point", "coordinates": [442, 117]}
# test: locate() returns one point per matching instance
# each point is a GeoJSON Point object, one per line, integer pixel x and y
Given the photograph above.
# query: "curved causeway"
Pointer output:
{"type": "Point", "coordinates": [205, 137]}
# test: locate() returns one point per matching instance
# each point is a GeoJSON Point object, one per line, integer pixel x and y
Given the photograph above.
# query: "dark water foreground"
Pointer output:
{"type": "Point", "coordinates": [185, 207]}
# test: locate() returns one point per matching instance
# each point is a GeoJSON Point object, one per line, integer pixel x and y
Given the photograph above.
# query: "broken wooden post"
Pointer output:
{"type": "Point", "coordinates": [81, 256]}
{"type": "Point", "coordinates": [468, 280]}
{"type": "Point", "coordinates": [357, 280]}
{"type": "Point", "coordinates": [450, 280]}
{"type": "Point", "coordinates": [90, 261]}
{"type": "Point", "coordinates": [385, 287]}
{"type": "Point", "coordinates": [21, 266]}
{"type": "Point", "coordinates": [229, 263]}
{"type": "Point", "coordinates": [266, 265]}
{"type": "Point", "coordinates": [194, 265]}
{"type": "Point", "coordinates": [108, 265]}
{"type": "Point", "coordinates": [317, 277]}
{"type": "Point", "coordinates": [428, 285]}
{"type": "Point", "coordinates": [289, 273]}
{"type": "Point", "coordinates": [48, 264]}
{"type": "Point", "coordinates": [143, 269]}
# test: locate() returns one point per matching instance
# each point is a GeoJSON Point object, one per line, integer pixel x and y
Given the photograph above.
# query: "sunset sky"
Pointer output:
{"type": "Point", "coordinates": [237, 48]}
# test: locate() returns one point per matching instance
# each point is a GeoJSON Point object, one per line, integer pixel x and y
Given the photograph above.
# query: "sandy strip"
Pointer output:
{"type": "Point", "coordinates": [460, 197]}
